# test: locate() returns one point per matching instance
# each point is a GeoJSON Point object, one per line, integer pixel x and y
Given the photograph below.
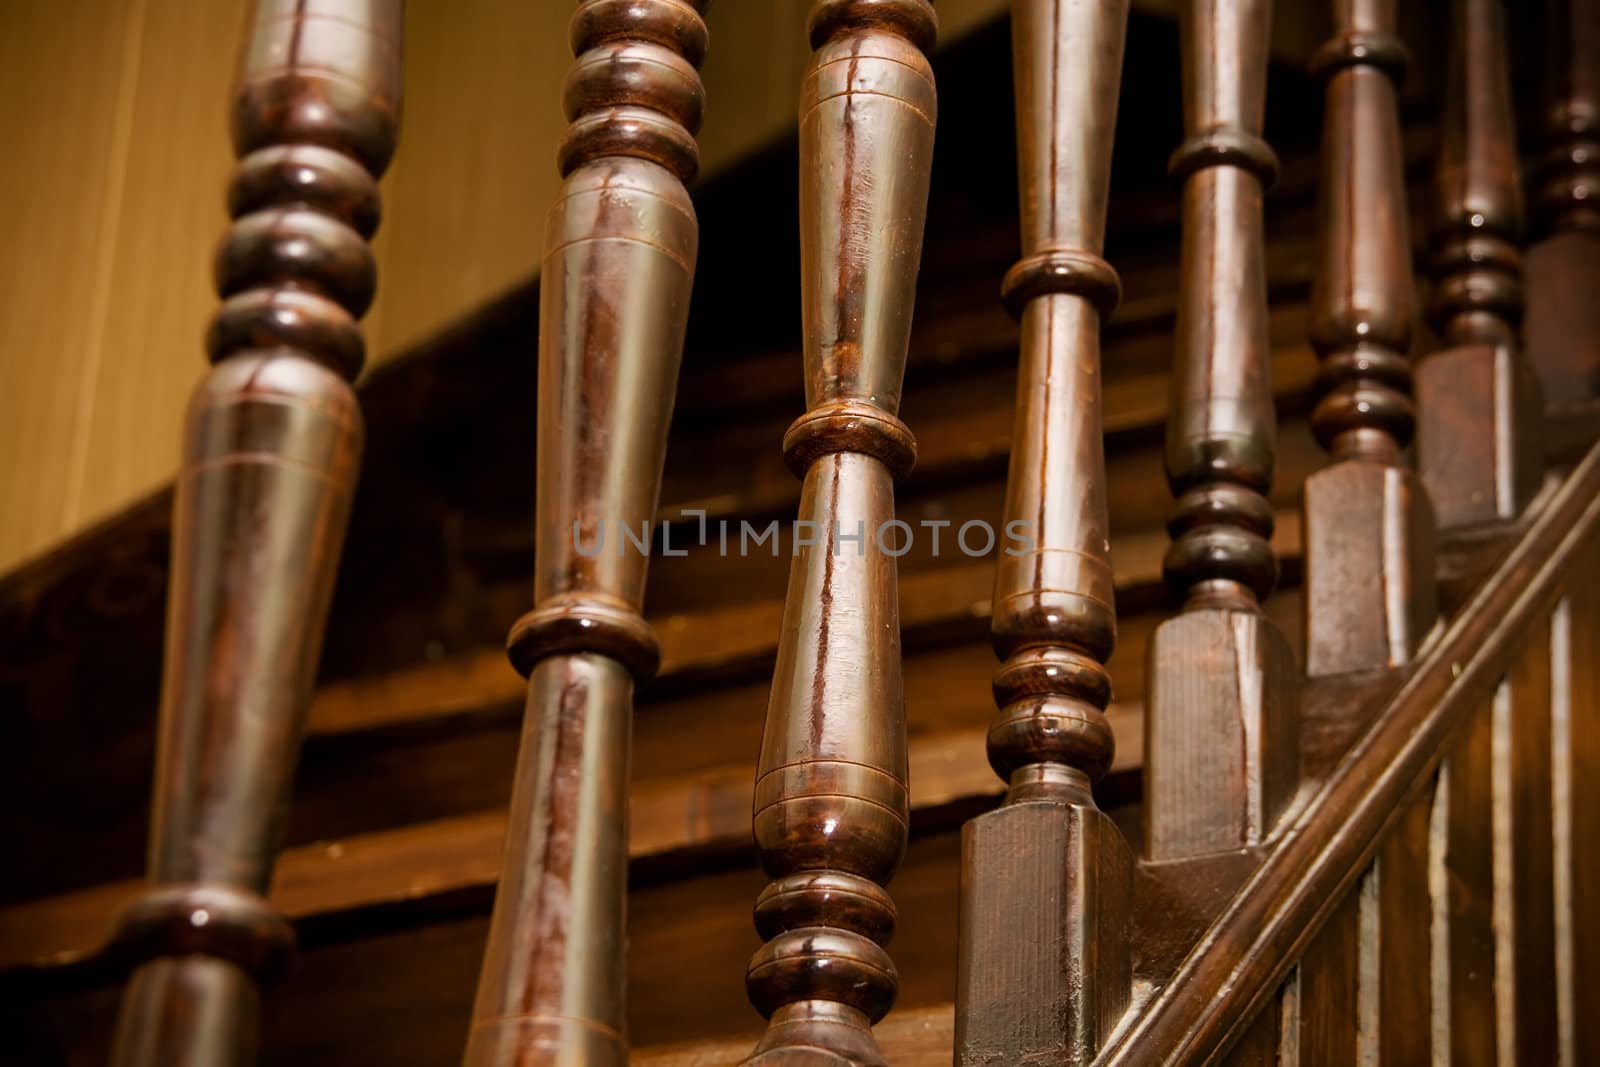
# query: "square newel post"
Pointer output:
{"type": "Point", "coordinates": [1478, 403]}
{"type": "Point", "coordinates": [1044, 970]}
{"type": "Point", "coordinates": [1369, 529]}
{"type": "Point", "coordinates": [1221, 725]}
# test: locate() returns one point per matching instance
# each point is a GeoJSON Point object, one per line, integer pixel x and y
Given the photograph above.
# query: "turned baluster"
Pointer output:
{"type": "Point", "coordinates": [1563, 322]}
{"type": "Point", "coordinates": [270, 455]}
{"type": "Point", "coordinates": [620, 246]}
{"type": "Point", "coordinates": [1478, 403]}
{"type": "Point", "coordinates": [1221, 736]}
{"type": "Point", "coordinates": [1369, 589]}
{"type": "Point", "coordinates": [830, 805]}
{"type": "Point", "coordinates": [1044, 962]}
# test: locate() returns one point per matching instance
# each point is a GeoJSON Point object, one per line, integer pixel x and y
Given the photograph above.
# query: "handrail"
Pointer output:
{"type": "Point", "coordinates": [1249, 949]}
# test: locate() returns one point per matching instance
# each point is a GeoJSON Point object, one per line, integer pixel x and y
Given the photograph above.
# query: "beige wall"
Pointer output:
{"type": "Point", "coordinates": [117, 159]}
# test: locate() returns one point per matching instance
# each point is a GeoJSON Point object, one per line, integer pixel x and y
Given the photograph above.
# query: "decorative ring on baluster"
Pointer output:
{"type": "Point", "coordinates": [1051, 728]}
{"type": "Point", "coordinates": [209, 920]}
{"type": "Point", "coordinates": [1062, 270]}
{"type": "Point", "coordinates": [629, 131]}
{"type": "Point", "coordinates": [575, 623]}
{"type": "Point", "coordinates": [1358, 48]}
{"type": "Point", "coordinates": [634, 74]}
{"type": "Point", "coordinates": [826, 898]}
{"type": "Point", "coordinates": [849, 426]}
{"type": "Point", "coordinates": [265, 319]}
{"type": "Point", "coordinates": [295, 246]}
{"type": "Point", "coordinates": [1232, 146]}
{"type": "Point", "coordinates": [671, 24]}
{"type": "Point", "coordinates": [306, 175]}
{"type": "Point", "coordinates": [822, 963]}
{"type": "Point", "coordinates": [915, 20]}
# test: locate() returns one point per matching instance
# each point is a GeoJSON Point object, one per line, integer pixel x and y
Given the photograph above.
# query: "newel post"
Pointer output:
{"type": "Point", "coordinates": [1221, 723]}
{"type": "Point", "coordinates": [1369, 530]}
{"type": "Point", "coordinates": [1046, 879]}
{"type": "Point", "coordinates": [831, 805]}
{"type": "Point", "coordinates": [271, 450]}
{"type": "Point", "coordinates": [620, 246]}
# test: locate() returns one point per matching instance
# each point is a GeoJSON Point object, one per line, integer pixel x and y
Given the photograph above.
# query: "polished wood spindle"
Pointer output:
{"type": "Point", "coordinates": [1221, 738]}
{"type": "Point", "coordinates": [1044, 961]}
{"type": "Point", "coordinates": [620, 245]}
{"type": "Point", "coordinates": [1369, 589]}
{"type": "Point", "coordinates": [1563, 323]}
{"type": "Point", "coordinates": [1478, 402]}
{"type": "Point", "coordinates": [270, 456]}
{"type": "Point", "coordinates": [830, 796]}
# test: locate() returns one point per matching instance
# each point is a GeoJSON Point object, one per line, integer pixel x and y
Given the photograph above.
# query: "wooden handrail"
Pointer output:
{"type": "Point", "coordinates": [1248, 950]}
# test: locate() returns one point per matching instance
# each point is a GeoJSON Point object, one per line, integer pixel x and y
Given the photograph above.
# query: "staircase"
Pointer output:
{"type": "Point", "coordinates": [1325, 799]}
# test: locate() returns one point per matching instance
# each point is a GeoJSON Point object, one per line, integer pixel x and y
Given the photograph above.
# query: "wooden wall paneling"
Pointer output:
{"type": "Point", "coordinates": [1463, 851]}
{"type": "Point", "coordinates": [1575, 727]}
{"type": "Point", "coordinates": [78, 57]}
{"type": "Point", "coordinates": [1404, 932]}
{"type": "Point", "coordinates": [171, 215]}
{"type": "Point", "coordinates": [1524, 921]}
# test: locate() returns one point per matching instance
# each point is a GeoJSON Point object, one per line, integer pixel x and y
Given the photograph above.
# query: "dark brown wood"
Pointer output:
{"type": "Point", "coordinates": [1369, 530]}
{"type": "Point", "coordinates": [270, 453]}
{"type": "Point", "coordinates": [1563, 326]}
{"type": "Point", "coordinates": [831, 803]}
{"type": "Point", "coordinates": [1479, 409]}
{"type": "Point", "coordinates": [1222, 734]}
{"type": "Point", "coordinates": [1045, 961]}
{"type": "Point", "coordinates": [1323, 854]}
{"type": "Point", "coordinates": [620, 245]}
{"type": "Point", "coordinates": [1575, 733]}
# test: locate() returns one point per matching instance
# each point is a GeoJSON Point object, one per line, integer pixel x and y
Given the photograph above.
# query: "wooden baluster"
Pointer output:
{"type": "Point", "coordinates": [1044, 960]}
{"type": "Point", "coordinates": [270, 456]}
{"type": "Point", "coordinates": [830, 797]}
{"type": "Point", "coordinates": [1221, 729]}
{"type": "Point", "coordinates": [1369, 588]}
{"type": "Point", "coordinates": [620, 246]}
{"type": "Point", "coordinates": [1479, 410]}
{"type": "Point", "coordinates": [1563, 326]}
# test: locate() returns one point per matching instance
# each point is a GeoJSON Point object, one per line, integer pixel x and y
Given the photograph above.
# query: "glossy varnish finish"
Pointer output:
{"type": "Point", "coordinates": [1563, 327]}
{"type": "Point", "coordinates": [1369, 530]}
{"type": "Point", "coordinates": [1478, 403]}
{"type": "Point", "coordinates": [1221, 738]}
{"type": "Point", "coordinates": [1046, 879]}
{"type": "Point", "coordinates": [269, 461]}
{"type": "Point", "coordinates": [620, 246]}
{"type": "Point", "coordinates": [831, 802]}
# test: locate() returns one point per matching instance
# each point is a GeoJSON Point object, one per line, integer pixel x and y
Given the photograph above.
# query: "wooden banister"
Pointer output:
{"type": "Point", "coordinates": [1223, 754]}
{"type": "Point", "coordinates": [1251, 948]}
{"type": "Point", "coordinates": [1370, 595]}
{"type": "Point", "coordinates": [1044, 964]}
{"type": "Point", "coordinates": [620, 246]}
{"type": "Point", "coordinates": [1478, 403]}
{"type": "Point", "coordinates": [831, 802]}
{"type": "Point", "coordinates": [270, 455]}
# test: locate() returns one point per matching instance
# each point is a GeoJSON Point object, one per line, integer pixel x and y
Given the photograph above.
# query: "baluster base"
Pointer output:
{"type": "Point", "coordinates": [1045, 971]}
{"type": "Point", "coordinates": [1222, 733]}
{"type": "Point", "coordinates": [1478, 417]}
{"type": "Point", "coordinates": [1369, 560]}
